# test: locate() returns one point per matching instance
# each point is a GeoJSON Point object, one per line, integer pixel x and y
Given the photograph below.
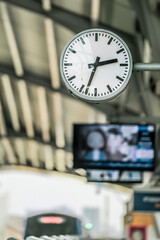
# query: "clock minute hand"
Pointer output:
{"type": "Point", "coordinates": [92, 74]}
{"type": "Point", "coordinates": [114, 60]}
{"type": "Point", "coordinates": [107, 62]}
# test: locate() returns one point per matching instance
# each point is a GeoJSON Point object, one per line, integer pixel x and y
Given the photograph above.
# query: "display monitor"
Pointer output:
{"type": "Point", "coordinates": [114, 176]}
{"type": "Point", "coordinates": [114, 146]}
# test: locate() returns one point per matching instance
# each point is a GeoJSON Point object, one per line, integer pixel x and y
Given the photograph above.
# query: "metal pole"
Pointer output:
{"type": "Point", "coordinates": [146, 67]}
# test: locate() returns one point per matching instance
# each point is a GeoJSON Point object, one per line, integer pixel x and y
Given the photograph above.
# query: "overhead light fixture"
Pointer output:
{"type": "Point", "coordinates": [52, 53]}
{"type": "Point", "coordinates": [2, 154]}
{"type": "Point", "coordinates": [46, 5]}
{"type": "Point", "coordinates": [32, 153]}
{"type": "Point", "coordinates": [11, 102]}
{"type": "Point", "coordinates": [95, 10]}
{"type": "Point", "coordinates": [69, 159]}
{"type": "Point", "coordinates": [60, 160]}
{"type": "Point", "coordinates": [48, 157]}
{"type": "Point", "coordinates": [26, 108]}
{"type": "Point", "coordinates": [58, 119]}
{"type": "Point", "coordinates": [20, 149]}
{"type": "Point", "coordinates": [43, 113]}
{"type": "Point", "coordinates": [3, 130]}
{"type": "Point", "coordinates": [11, 40]}
{"type": "Point", "coordinates": [9, 151]}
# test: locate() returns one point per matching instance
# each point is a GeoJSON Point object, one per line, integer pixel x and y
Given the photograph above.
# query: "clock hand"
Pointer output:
{"type": "Point", "coordinates": [90, 65]}
{"type": "Point", "coordinates": [92, 74]}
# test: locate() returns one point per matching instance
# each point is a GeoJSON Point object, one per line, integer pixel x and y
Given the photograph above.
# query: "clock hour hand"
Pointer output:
{"type": "Point", "coordinates": [114, 60]}
{"type": "Point", "coordinates": [92, 74]}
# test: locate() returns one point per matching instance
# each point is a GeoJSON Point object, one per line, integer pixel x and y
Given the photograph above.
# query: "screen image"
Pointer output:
{"type": "Point", "coordinates": [114, 146]}
{"type": "Point", "coordinates": [114, 176]}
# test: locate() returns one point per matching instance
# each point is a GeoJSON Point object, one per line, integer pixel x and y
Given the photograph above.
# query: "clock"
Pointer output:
{"type": "Point", "coordinates": [96, 65]}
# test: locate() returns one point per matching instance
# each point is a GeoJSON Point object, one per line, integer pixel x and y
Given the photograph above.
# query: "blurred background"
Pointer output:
{"type": "Point", "coordinates": [37, 113]}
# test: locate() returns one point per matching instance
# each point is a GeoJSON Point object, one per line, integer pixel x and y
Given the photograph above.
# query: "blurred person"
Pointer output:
{"type": "Point", "coordinates": [114, 144]}
{"type": "Point", "coordinates": [95, 144]}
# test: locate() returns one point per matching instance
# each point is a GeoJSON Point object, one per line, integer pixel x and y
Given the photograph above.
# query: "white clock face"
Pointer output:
{"type": "Point", "coordinates": [96, 65]}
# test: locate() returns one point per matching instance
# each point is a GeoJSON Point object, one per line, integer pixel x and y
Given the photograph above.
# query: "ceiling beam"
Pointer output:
{"type": "Point", "coordinates": [51, 45]}
{"type": "Point", "coordinates": [22, 135]}
{"type": "Point", "coordinates": [72, 21]}
{"type": "Point", "coordinates": [18, 68]}
{"type": "Point", "coordinates": [11, 39]}
{"type": "Point", "coordinates": [30, 78]}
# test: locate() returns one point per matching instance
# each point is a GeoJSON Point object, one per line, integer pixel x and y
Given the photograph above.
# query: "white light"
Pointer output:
{"type": "Point", "coordinates": [20, 149]}
{"type": "Point", "coordinates": [32, 153]}
{"type": "Point", "coordinates": [69, 159]}
{"type": "Point", "coordinates": [11, 102]}
{"type": "Point", "coordinates": [43, 113]}
{"type": "Point", "coordinates": [46, 4]}
{"type": "Point", "coordinates": [3, 130]}
{"type": "Point", "coordinates": [95, 9]}
{"type": "Point", "coordinates": [11, 40]}
{"type": "Point", "coordinates": [52, 53]}
{"type": "Point", "coordinates": [58, 119]}
{"type": "Point", "coordinates": [48, 157]}
{"type": "Point", "coordinates": [2, 153]}
{"type": "Point", "coordinates": [26, 108]}
{"type": "Point", "coordinates": [60, 160]}
{"type": "Point", "coordinates": [9, 150]}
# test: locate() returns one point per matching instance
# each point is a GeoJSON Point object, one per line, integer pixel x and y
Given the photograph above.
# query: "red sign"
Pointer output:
{"type": "Point", "coordinates": [51, 219]}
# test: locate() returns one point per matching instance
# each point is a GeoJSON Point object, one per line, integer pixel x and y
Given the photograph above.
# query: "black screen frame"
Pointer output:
{"type": "Point", "coordinates": [78, 163]}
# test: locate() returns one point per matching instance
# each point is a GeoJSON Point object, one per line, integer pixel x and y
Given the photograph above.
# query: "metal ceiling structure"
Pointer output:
{"type": "Point", "coordinates": [36, 111]}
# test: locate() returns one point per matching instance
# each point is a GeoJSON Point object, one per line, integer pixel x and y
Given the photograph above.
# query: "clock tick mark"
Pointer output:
{"type": "Point", "coordinates": [80, 90]}
{"type": "Point", "coordinates": [119, 78]}
{"type": "Point", "coordinates": [119, 51]}
{"type": "Point", "coordinates": [68, 64]}
{"type": "Point", "coordinates": [123, 64]}
{"type": "Point", "coordinates": [95, 92]}
{"type": "Point", "coordinates": [82, 40]}
{"type": "Point", "coordinates": [69, 79]}
{"type": "Point", "coordinates": [110, 40]}
{"type": "Point", "coordinates": [109, 88]}
{"type": "Point", "coordinates": [71, 50]}
{"type": "Point", "coordinates": [96, 37]}
{"type": "Point", "coordinates": [87, 89]}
